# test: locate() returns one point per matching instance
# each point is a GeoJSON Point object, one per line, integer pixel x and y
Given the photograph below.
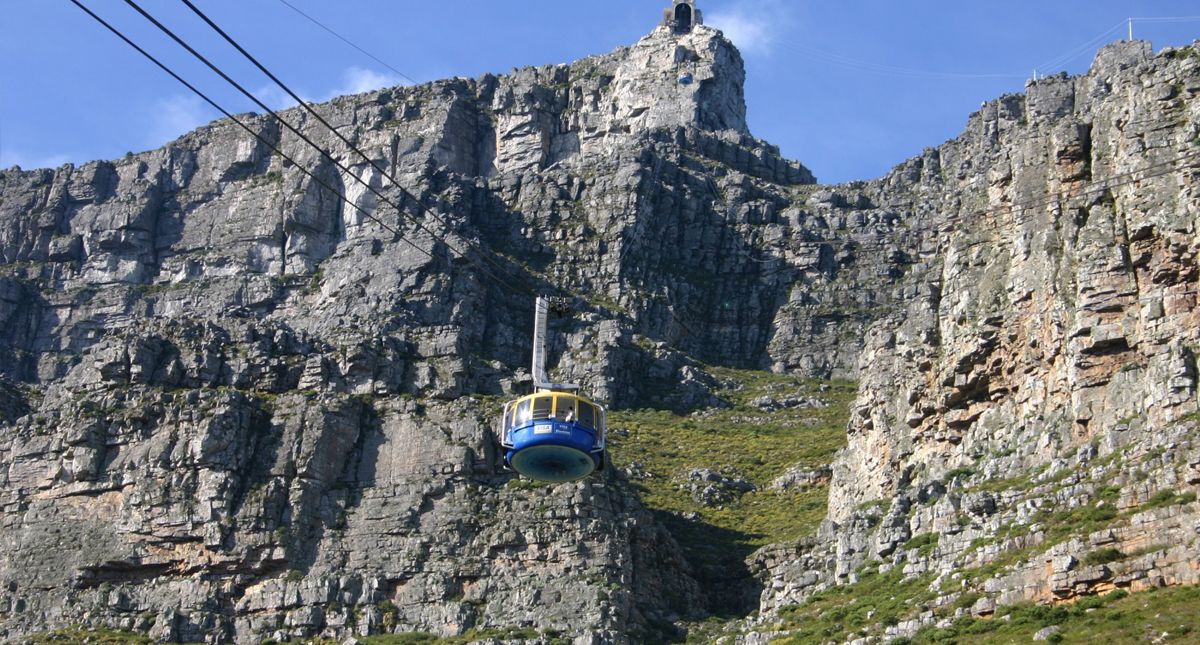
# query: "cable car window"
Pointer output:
{"type": "Point", "coordinates": [564, 408]}
{"type": "Point", "coordinates": [587, 415]}
{"type": "Point", "coordinates": [541, 407]}
{"type": "Point", "coordinates": [508, 416]}
{"type": "Point", "coordinates": [522, 413]}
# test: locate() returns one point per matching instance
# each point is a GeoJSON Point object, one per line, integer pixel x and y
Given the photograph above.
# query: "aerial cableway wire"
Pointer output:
{"type": "Point", "coordinates": [509, 285]}
{"type": "Point", "coordinates": [342, 38]}
{"type": "Point", "coordinates": [274, 148]}
{"type": "Point", "coordinates": [558, 288]}
{"type": "Point", "coordinates": [328, 155]}
{"type": "Point", "coordinates": [317, 115]}
{"type": "Point", "coordinates": [1053, 62]}
{"type": "Point", "coordinates": [1165, 19]}
{"type": "Point", "coordinates": [1089, 46]}
{"type": "Point", "coordinates": [274, 78]}
{"type": "Point", "coordinates": [278, 150]}
{"type": "Point", "coordinates": [1008, 207]}
{"type": "Point", "coordinates": [1049, 64]}
{"type": "Point", "coordinates": [561, 290]}
{"type": "Point", "coordinates": [882, 69]}
{"type": "Point", "coordinates": [402, 76]}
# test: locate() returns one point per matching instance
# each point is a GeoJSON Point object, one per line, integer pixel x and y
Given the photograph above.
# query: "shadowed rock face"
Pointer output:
{"type": "Point", "coordinates": [233, 408]}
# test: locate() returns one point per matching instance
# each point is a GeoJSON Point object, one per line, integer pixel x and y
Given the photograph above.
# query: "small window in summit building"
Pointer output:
{"type": "Point", "coordinates": [683, 18]}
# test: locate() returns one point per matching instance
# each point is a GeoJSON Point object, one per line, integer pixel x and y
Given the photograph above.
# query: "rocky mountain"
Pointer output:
{"type": "Point", "coordinates": [236, 409]}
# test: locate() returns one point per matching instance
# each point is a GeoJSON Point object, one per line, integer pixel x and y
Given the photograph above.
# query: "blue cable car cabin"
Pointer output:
{"type": "Point", "coordinates": [554, 436]}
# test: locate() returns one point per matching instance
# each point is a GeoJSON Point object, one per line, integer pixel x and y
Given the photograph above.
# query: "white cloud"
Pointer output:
{"type": "Point", "coordinates": [175, 116]}
{"type": "Point", "coordinates": [356, 80]}
{"type": "Point", "coordinates": [752, 25]}
{"type": "Point", "coordinates": [275, 98]}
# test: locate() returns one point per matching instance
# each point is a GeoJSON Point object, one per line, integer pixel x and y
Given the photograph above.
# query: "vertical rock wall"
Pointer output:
{"type": "Point", "coordinates": [1063, 300]}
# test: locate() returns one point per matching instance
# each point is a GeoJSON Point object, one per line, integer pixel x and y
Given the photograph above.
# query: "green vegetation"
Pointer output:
{"type": "Point", "coordinates": [1103, 556]}
{"type": "Point", "coordinates": [314, 281]}
{"type": "Point", "coordinates": [90, 636]}
{"type": "Point", "coordinates": [1033, 479]}
{"type": "Point", "coordinates": [1059, 526]}
{"type": "Point", "coordinates": [957, 473]}
{"type": "Point", "coordinates": [1062, 525]}
{"type": "Point", "coordinates": [408, 638]}
{"type": "Point", "coordinates": [923, 544]}
{"type": "Point", "coordinates": [740, 442]}
{"type": "Point", "coordinates": [423, 638]}
{"type": "Point", "coordinates": [426, 638]}
{"type": "Point", "coordinates": [1163, 615]}
{"type": "Point", "coordinates": [703, 633]}
{"type": "Point", "coordinates": [838, 613]}
{"type": "Point", "coordinates": [1166, 498]}
{"type": "Point", "coordinates": [602, 301]}
{"type": "Point", "coordinates": [1186, 52]}
{"type": "Point", "coordinates": [1023, 482]}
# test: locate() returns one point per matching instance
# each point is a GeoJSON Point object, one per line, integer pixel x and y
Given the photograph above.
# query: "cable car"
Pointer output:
{"type": "Point", "coordinates": [554, 434]}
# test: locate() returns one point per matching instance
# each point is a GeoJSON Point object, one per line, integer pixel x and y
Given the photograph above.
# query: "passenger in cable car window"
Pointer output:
{"type": "Point", "coordinates": [565, 408]}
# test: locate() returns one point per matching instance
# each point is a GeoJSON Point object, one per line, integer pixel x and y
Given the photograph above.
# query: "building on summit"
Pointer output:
{"type": "Point", "coordinates": [682, 16]}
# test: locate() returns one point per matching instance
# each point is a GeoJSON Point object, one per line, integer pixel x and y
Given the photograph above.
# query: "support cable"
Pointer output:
{"type": "Point", "coordinates": [342, 38]}
{"type": "Point", "coordinates": [274, 148]}
{"type": "Point", "coordinates": [321, 119]}
{"type": "Point", "coordinates": [328, 155]}
{"type": "Point", "coordinates": [1132, 176]}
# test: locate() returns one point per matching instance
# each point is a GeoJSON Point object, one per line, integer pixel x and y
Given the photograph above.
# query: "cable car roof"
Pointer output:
{"type": "Point", "coordinates": [561, 394]}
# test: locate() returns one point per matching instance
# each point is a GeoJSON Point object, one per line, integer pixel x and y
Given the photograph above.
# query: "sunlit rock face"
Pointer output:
{"type": "Point", "coordinates": [1046, 323]}
{"type": "Point", "coordinates": [1045, 362]}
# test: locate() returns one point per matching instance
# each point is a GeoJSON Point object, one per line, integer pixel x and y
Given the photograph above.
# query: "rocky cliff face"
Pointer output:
{"type": "Point", "coordinates": [1063, 299]}
{"type": "Point", "coordinates": [235, 409]}
{"type": "Point", "coordinates": [1036, 392]}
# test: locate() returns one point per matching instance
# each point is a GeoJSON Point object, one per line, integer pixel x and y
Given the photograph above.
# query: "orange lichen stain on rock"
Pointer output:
{"type": "Point", "coordinates": [106, 505]}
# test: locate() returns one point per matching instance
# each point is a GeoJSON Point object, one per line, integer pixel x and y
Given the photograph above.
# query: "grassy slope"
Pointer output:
{"type": "Point", "coordinates": [742, 442]}
{"type": "Point", "coordinates": [1172, 615]}
{"type": "Point", "coordinates": [1162, 615]}
{"type": "Point", "coordinates": [881, 600]}
{"type": "Point", "coordinates": [838, 615]}
{"type": "Point", "coordinates": [88, 636]}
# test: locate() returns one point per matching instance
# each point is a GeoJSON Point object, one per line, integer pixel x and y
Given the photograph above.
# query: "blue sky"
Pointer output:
{"type": "Point", "coordinates": [849, 88]}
